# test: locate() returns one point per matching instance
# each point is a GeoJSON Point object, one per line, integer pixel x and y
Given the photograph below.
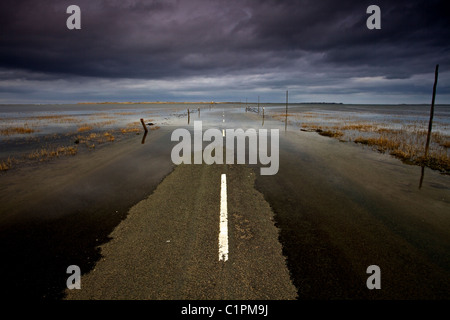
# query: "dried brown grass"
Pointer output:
{"type": "Point", "coordinates": [85, 128]}
{"type": "Point", "coordinates": [16, 130]}
{"type": "Point", "coordinates": [7, 164]}
{"type": "Point", "coordinates": [128, 130]}
{"type": "Point", "coordinates": [330, 133]}
{"type": "Point", "coordinates": [382, 143]}
{"type": "Point", "coordinates": [409, 149]}
{"type": "Point", "coordinates": [58, 118]}
{"type": "Point", "coordinates": [94, 137]}
{"type": "Point", "coordinates": [406, 142]}
{"type": "Point", "coordinates": [45, 154]}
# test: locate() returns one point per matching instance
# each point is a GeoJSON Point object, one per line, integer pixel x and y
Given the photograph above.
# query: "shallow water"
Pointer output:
{"type": "Point", "coordinates": [339, 206]}
{"type": "Point", "coordinates": [171, 114]}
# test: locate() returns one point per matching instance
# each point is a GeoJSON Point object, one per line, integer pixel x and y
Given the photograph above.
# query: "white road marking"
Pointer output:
{"type": "Point", "coordinates": [223, 234]}
{"type": "Point", "coordinates": [223, 133]}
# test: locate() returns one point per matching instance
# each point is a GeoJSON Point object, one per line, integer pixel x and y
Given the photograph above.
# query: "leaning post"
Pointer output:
{"type": "Point", "coordinates": [430, 123]}
{"type": "Point", "coordinates": [143, 124]}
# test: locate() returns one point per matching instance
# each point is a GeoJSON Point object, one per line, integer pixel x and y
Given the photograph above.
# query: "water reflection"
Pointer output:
{"type": "Point", "coordinates": [145, 136]}
{"type": "Point", "coordinates": [421, 177]}
{"type": "Point", "coordinates": [263, 117]}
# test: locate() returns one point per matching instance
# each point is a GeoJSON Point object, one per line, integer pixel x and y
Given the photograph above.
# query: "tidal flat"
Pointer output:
{"type": "Point", "coordinates": [341, 203]}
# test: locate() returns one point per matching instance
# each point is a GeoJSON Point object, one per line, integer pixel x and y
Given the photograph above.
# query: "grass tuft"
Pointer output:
{"type": "Point", "coordinates": [7, 165]}
{"type": "Point", "coordinates": [45, 154]}
{"type": "Point", "coordinates": [84, 128]}
{"type": "Point", "coordinates": [331, 134]}
{"type": "Point", "coordinates": [16, 130]}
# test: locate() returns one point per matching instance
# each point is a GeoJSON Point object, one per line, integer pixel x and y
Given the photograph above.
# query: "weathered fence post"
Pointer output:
{"type": "Point", "coordinates": [430, 124]}
{"type": "Point", "coordinates": [285, 124]}
{"type": "Point", "coordinates": [143, 124]}
{"type": "Point", "coordinates": [263, 117]}
{"type": "Point", "coordinates": [258, 104]}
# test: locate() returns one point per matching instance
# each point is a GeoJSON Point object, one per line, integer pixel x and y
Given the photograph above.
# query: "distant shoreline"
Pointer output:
{"type": "Point", "coordinates": [227, 102]}
{"type": "Point", "coordinates": [152, 102]}
{"type": "Point", "coordinates": [265, 103]}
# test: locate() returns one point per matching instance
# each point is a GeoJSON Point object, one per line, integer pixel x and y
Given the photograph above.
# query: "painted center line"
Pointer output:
{"type": "Point", "coordinates": [223, 234]}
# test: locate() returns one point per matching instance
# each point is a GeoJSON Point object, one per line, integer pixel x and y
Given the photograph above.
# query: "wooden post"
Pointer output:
{"type": "Point", "coordinates": [263, 117]}
{"type": "Point", "coordinates": [258, 104]}
{"type": "Point", "coordinates": [286, 103]}
{"type": "Point", "coordinates": [143, 124]}
{"type": "Point", "coordinates": [285, 124]}
{"type": "Point", "coordinates": [430, 124]}
{"type": "Point", "coordinates": [189, 116]}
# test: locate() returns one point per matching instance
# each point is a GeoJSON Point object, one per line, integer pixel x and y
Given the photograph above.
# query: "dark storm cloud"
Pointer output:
{"type": "Point", "coordinates": [282, 39]}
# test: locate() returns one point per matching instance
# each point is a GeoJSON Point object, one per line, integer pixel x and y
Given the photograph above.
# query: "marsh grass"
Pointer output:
{"type": "Point", "coordinates": [382, 143]}
{"type": "Point", "coordinates": [83, 133]}
{"type": "Point", "coordinates": [330, 133]}
{"type": "Point", "coordinates": [45, 154]}
{"type": "Point", "coordinates": [409, 147]}
{"type": "Point", "coordinates": [85, 128]}
{"type": "Point", "coordinates": [16, 130]}
{"type": "Point", "coordinates": [282, 116]}
{"type": "Point", "coordinates": [7, 164]}
{"type": "Point", "coordinates": [94, 138]}
{"type": "Point", "coordinates": [135, 127]}
{"type": "Point", "coordinates": [129, 130]}
{"type": "Point", "coordinates": [58, 118]}
{"type": "Point", "coordinates": [84, 136]}
{"type": "Point", "coordinates": [108, 136]}
{"type": "Point", "coordinates": [402, 139]}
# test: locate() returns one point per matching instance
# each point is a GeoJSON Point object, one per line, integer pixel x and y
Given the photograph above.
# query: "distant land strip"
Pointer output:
{"type": "Point", "coordinates": [153, 102]}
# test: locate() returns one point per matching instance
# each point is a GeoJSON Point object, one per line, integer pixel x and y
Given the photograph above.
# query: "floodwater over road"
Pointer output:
{"type": "Point", "coordinates": [339, 207]}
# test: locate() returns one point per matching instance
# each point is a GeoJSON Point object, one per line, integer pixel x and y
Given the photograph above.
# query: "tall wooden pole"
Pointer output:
{"type": "Point", "coordinates": [285, 120]}
{"type": "Point", "coordinates": [263, 117]}
{"type": "Point", "coordinates": [258, 104]}
{"type": "Point", "coordinates": [286, 102]}
{"type": "Point", "coordinates": [430, 124]}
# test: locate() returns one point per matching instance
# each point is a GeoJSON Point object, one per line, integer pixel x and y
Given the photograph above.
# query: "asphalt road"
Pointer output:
{"type": "Point", "coordinates": [310, 231]}
{"type": "Point", "coordinates": [168, 247]}
{"type": "Point", "coordinates": [338, 209]}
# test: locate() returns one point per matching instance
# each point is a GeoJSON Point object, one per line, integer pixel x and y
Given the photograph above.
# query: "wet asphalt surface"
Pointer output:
{"type": "Point", "coordinates": [332, 210]}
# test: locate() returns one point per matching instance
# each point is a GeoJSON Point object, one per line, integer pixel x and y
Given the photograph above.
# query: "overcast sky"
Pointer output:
{"type": "Point", "coordinates": [224, 50]}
